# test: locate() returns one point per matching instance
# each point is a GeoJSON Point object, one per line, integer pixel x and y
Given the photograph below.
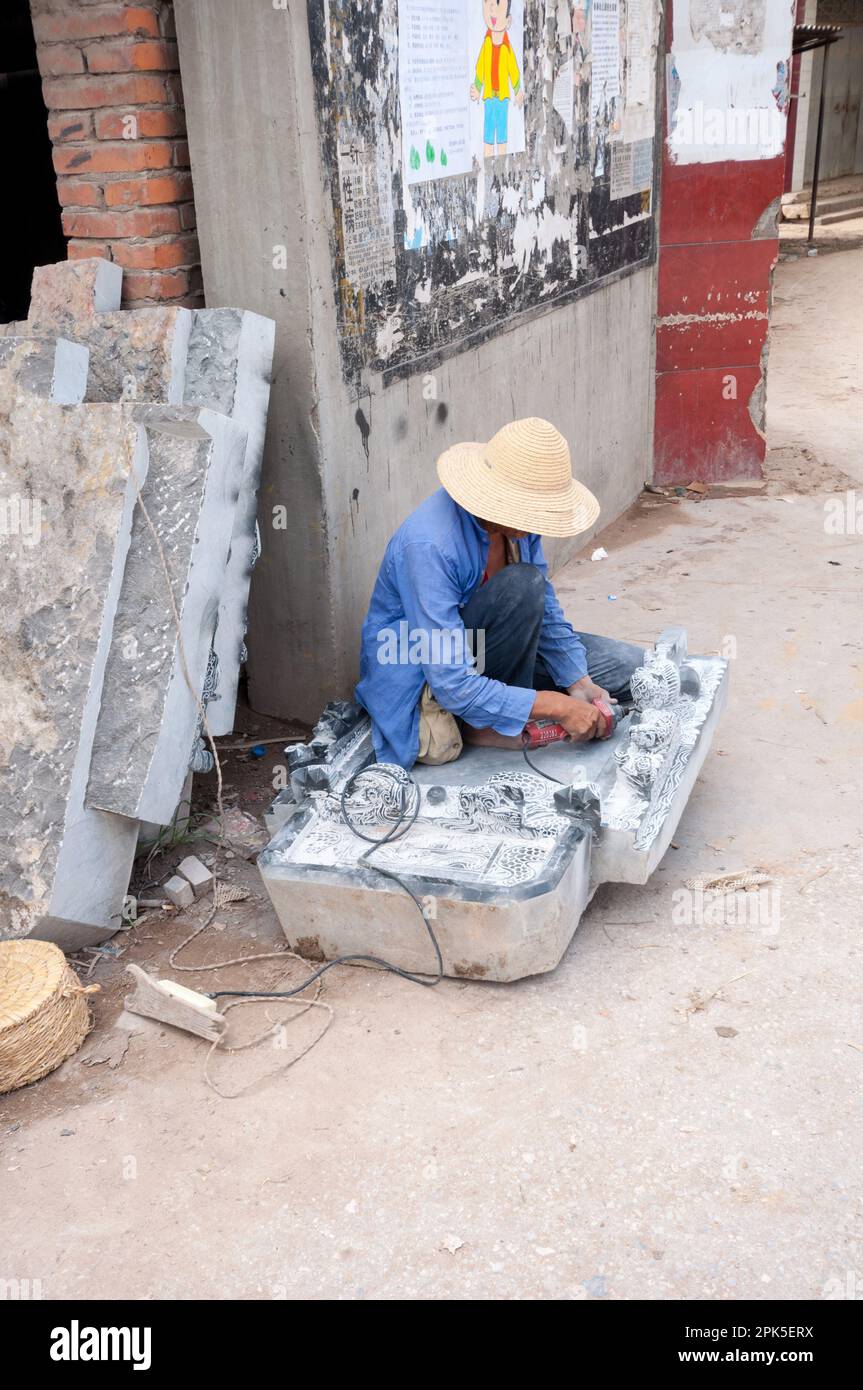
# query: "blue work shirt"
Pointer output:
{"type": "Point", "coordinates": [431, 566]}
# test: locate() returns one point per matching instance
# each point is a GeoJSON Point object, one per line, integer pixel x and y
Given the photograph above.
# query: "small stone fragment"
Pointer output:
{"type": "Point", "coordinates": [180, 891]}
{"type": "Point", "coordinates": [197, 874]}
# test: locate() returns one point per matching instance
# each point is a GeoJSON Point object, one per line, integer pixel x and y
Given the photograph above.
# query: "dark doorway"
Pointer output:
{"type": "Point", "coordinates": [33, 234]}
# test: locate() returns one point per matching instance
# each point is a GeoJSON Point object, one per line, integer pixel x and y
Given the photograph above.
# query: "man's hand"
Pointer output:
{"type": "Point", "coordinates": [474, 93]}
{"type": "Point", "coordinates": [580, 718]}
{"type": "Point", "coordinates": [588, 690]}
{"type": "Point", "coordinates": [519, 97]}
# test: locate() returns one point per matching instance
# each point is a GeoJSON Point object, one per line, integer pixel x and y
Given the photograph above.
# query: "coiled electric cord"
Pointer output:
{"type": "Point", "coordinates": [406, 819]}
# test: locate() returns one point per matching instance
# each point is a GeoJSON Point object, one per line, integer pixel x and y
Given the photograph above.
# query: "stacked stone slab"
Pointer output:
{"type": "Point", "coordinates": [218, 358]}
{"type": "Point", "coordinates": [128, 531]}
{"type": "Point", "coordinates": [135, 354]}
{"type": "Point", "coordinates": [155, 674]}
{"type": "Point", "coordinates": [49, 369]}
{"type": "Point", "coordinates": [228, 369]}
{"type": "Point", "coordinates": [79, 467]}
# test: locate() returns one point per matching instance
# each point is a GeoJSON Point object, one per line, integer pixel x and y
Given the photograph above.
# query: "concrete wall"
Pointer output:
{"type": "Point", "coordinates": [842, 140]}
{"type": "Point", "coordinates": [347, 468]}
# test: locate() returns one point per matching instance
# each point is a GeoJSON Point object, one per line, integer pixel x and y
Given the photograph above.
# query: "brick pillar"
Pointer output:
{"type": "Point", "coordinates": [111, 82]}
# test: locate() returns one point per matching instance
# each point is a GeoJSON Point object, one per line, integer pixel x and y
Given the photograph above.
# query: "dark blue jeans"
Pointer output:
{"type": "Point", "coordinates": [510, 610]}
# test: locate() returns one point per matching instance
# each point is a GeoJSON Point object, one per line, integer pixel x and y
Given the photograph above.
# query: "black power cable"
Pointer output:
{"type": "Point", "coordinates": [406, 819]}
{"type": "Point", "coordinates": [525, 744]}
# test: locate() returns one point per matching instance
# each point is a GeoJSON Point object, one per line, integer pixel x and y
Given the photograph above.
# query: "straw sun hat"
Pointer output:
{"type": "Point", "coordinates": [521, 478]}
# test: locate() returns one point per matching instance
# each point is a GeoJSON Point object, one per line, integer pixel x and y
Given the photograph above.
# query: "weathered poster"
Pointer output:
{"type": "Point", "coordinates": [637, 123]}
{"type": "Point", "coordinates": [434, 89]}
{"type": "Point", "coordinates": [461, 88]}
{"type": "Point", "coordinates": [605, 58]}
{"type": "Point", "coordinates": [631, 167]}
{"type": "Point", "coordinates": [483, 164]}
{"type": "Point", "coordinates": [564, 94]}
{"type": "Point", "coordinates": [496, 35]}
{"type": "Point", "coordinates": [639, 57]}
{"type": "Point", "coordinates": [367, 215]}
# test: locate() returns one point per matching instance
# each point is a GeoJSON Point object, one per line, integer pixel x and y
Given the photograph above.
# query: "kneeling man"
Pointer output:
{"type": "Point", "coordinates": [465, 638]}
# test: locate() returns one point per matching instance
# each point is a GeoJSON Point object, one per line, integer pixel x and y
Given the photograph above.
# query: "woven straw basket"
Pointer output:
{"type": "Point", "coordinates": [44, 1014]}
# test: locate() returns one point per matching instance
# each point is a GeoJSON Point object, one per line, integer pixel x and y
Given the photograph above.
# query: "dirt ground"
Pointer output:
{"type": "Point", "coordinates": [672, 1113]}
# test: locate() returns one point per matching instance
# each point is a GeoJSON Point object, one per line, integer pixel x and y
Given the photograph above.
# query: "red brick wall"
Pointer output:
{"type": "Point", "coordinates": [111, 82]}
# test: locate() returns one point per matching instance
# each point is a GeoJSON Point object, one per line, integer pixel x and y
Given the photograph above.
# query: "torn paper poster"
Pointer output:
{"type": "Point", "coordinates": [434, 88]}
{"type": "Point", "coordinates": [367, 215]}
{"type": "Point", "coordinates": [639, 52]}
{"type": "Point", "coordinates": [631, 167]}
{"type": "Point", "coordinates": [727, 58]}
{"type": "Point", "coordinates": [563, 94]}
{"type": "Point", "coordinates": [638, 107]}
{"type": "Point", "coordinates": [605, 61]}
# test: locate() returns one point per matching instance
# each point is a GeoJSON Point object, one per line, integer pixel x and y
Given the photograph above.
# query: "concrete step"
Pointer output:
{"type": "Point", "coordinates": [848, 203]}
{"type": "Point", "coordinates": [830, 188]}
{"type": "Point", "coordinates": [849, 216]}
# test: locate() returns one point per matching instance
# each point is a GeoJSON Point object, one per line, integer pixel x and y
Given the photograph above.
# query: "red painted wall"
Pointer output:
{"type": "Point", "coordinates": [716, 260]}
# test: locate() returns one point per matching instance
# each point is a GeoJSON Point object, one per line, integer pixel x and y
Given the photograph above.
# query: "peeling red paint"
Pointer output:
{"type": "Point", "coordinates": [702, 434]}
{"type": "Point", "coordinates": [715, 268]}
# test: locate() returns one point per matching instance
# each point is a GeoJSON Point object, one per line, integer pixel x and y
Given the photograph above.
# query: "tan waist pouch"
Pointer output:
{"type": "Point", "coordinates": [440, 736]}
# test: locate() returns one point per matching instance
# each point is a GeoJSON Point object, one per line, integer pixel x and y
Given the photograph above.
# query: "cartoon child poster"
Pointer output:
{"type": "Point", "coordinates": [496, 33]}
{"type": "Point", "coordinates": [461, 85]}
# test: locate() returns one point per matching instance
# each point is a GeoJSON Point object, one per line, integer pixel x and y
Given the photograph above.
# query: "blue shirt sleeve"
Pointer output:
{"type": "Point", "coordinates": [560, 647]}
{"type": "Point", "coordinates": [429, 592]}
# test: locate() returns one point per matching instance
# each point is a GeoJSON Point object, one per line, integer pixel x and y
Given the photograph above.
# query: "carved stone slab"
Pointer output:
{"type": "Point", "coordinates": [490, 831]}
{"type": "Point", "coordinates": [149, 713]}
{"type": "Point", "coordinates": [228, 369]}
{"type": "Point", "coordinates": [503, 884]}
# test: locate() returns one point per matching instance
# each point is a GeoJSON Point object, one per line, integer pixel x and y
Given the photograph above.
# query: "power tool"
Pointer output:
{"type": "Point", "coordinates": [540, 732]}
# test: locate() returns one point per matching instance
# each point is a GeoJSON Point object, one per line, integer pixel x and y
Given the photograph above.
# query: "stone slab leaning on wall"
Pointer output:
{"type": "Point", "coordinates": [229, 368]}
{"type": "Point", "coordinates": [218, 358]}
{"type": "Point", "coordinates": [76, 468]}
{"type": "Point", "coordinates": [154, 680]}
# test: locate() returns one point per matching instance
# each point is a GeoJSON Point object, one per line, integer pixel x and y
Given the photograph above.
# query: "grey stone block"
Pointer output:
{"type": "Point", "coordinates": [485, 932]}
{"type": "Point", "coordinates": [489, 846]}
{"type": "Point", "coordinates": [149, 833]}
{"type": "Point", "coordinates": [179, 891]}
{"type": "Point", "coordinates": [135, 354]}
{"type": "Point", "coordinates": [62, 865]}
{"type": "Point", "coordinates": [149, 713]}
{"type": "Point", "coordinates": [217, 358]}
{"type": "Point", "coordinates": [53, 369]}
{"type": "Point", "coordinates": [228, 369]}
{"type": "Point", "coordinates": [196, 874]}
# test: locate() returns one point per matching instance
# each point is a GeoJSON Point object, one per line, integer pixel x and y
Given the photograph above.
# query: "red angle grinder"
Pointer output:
{"type": "Point", "coordinates": [539, 732]}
